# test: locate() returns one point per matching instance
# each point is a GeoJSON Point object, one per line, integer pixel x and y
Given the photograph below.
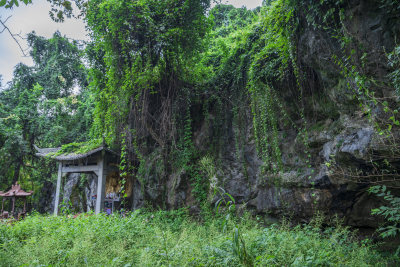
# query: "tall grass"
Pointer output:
{"type": "Point", "coordinates": [173, 239]}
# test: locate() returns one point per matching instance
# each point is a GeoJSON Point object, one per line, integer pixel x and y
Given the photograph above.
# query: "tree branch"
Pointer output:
{"type": "Point", "coordinates": [5, 28]}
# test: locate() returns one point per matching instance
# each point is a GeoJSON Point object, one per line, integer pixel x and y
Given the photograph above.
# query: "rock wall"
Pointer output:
{"type": "Point", "coordinates": [338, 134]}
{"type": "Point", "coordinates": [78, 191]}
{"type": "Point", "coordinates": [345, 138]}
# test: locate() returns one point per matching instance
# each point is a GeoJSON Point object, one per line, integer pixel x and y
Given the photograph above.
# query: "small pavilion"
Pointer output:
{"type": "Point", "coordinates": [100, 161]}
{"type": "Point", "coordinates": [14, 194]}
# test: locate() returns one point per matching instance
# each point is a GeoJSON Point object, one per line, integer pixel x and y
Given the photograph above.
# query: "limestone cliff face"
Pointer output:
{"type": "Point", "coordinates": [341, 138]}
{"type": "Point", "coordinates": [343, 142]}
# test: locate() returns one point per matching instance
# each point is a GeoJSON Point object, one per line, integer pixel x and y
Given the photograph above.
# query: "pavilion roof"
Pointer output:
{"type": "Point", "coordinates": [52, 153]}
{"type": "Point", "coordinates": [15, 191]}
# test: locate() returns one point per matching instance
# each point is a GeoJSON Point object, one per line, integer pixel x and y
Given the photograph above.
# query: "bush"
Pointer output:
{"type": "Point", "coordinates": [172, 239]}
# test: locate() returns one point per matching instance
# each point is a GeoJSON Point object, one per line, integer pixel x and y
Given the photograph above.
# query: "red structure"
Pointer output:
{"type": "Point", "coordinates": [14, 194]}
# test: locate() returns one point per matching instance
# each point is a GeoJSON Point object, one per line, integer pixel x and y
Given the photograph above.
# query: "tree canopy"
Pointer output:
{"type": "Point", "coordinates": [46, 104]}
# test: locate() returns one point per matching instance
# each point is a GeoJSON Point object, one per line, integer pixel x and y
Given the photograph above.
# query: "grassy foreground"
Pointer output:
{"type": "Point", "coordinates": [173, 239]}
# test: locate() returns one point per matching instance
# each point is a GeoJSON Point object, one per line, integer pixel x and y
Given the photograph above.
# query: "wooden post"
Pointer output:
{"type": "Point", "coordinates": [101, 182]}
{"type": "Point", "coordinates": [2, 207]}
{"type": "Point", "coordinates": [57, 200]}
{"type": "Point", "coordinates": [13, 206]}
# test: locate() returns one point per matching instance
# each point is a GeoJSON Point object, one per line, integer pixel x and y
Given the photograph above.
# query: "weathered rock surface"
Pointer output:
{"type": "Point", "coordinates": [338, 135]}
{"type": "Point", "coordinates": [78, 191]}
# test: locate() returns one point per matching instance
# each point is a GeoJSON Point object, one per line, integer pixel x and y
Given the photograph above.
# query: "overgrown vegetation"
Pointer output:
{"type": "Point", "coordinates": [79, 148]}
{"type": "Point", "coordinates": [170, 85]}
{"type": "Point", "coordinates": [42, 106]}
{"type": "Point", "coordinates": [367, 90]}
{"type": "Point", "coordinates": [391, 212]}
{"type": "Point", "coordinates": [172, 238]}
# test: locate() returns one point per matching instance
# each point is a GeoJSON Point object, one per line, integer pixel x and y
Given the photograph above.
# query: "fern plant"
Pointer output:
{"type": "Point", "coordinates": [390, 211]}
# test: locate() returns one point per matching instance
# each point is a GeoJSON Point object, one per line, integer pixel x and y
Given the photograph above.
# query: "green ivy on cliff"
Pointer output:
{"type": "Point", "coordinates": [144, 56]}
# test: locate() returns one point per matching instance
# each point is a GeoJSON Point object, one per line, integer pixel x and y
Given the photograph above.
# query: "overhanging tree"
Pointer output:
{"type": "Point", "coordinates": [148, 70]}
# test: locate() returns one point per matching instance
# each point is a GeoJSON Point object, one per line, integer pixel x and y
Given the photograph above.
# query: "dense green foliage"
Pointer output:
{"type": "Point", "coordinates": [173, 239]}
{"type": "Point", "coordinates": [44, 105]}
{"type": "Point", "coordinates": [144, 55]}
{"type": "Point", "coordinates": [157, 73]}
{"type": "Point", "coordinates": [146, 76]}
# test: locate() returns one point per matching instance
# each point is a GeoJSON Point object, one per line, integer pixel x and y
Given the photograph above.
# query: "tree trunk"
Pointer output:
{"type": "Point", "coordinates": [16, 172]}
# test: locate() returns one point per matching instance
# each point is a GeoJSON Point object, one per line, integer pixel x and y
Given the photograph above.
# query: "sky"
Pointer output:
{"type": "Point", "coordinates": [35, 17]}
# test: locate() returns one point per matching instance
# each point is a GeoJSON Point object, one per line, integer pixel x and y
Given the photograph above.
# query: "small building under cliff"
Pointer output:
{"type": "Point", "coordinates": [101, 161]}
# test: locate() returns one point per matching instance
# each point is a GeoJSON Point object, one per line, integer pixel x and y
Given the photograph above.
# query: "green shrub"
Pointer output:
{"type": "Point", "coordinates": [164, 238]}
